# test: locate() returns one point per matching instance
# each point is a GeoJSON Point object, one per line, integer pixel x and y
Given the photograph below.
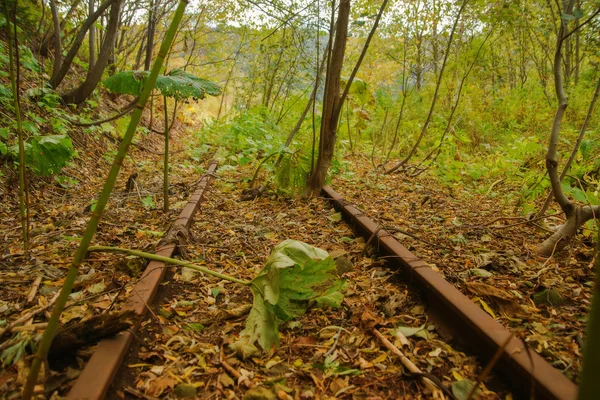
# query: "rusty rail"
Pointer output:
{"type": "Point", "coordinates": [521, 368]}
{"type": "Point", "coordinates": [98, 373]}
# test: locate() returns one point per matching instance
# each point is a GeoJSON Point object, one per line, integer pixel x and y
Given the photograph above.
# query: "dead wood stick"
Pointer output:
{"type": "Point", "coordinates": [28, 316]}
{"type": "Point", "coordinates": [234, 371]}
{"type": "Point", "coordinates": [30, 327]}
{"type": "Point", "coordinates": [488, 368]}
{"type": "Point", "coordinates": [409, 364]}
{"type": "Point", "coordinates": [34, 288]}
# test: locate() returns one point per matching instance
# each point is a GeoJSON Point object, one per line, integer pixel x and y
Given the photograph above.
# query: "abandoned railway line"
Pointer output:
{"type": "Point", "coordinates": [519, 369]}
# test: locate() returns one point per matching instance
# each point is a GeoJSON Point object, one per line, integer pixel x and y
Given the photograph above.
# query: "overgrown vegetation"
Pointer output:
{"type": "Point", "coordinates": [488, 99]}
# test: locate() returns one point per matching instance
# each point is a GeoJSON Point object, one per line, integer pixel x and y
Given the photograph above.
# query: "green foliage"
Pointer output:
{"type": "Point", "coordinates": [177, 84]}
{"type": "Point", "coordinates": [295, 276]}
{"type": "Point", "coordinates": [12, 354]}
{"type": "Point", "coordinates": [148, 202]}
{"type": "Point", "coordinates": [292, 173]}
{"type": "Point", "coordinates": [28, 60]}
{"type": "Point", "coordinates": [46, 155]}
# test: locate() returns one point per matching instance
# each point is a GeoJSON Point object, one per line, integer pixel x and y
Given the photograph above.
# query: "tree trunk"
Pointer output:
{"type": "Point", "coordinates": [576, 215]}
{"type": "Point", "coordinates": [57, 45]}
{"type": "Point", "coordinates": [92, 37]}
{"type": "Point", "coordinates": [590, 384]}
{"type": "Point", "coordinates": [58, 76]}
{"type": "Point", "coordinates": [331, 101]}
{"type": "Point", "coordinates": [151, 29]}
{"type": "Point", "coordinates": [81, 93]}
{"type": "Point", "coordinates": [575, 148]}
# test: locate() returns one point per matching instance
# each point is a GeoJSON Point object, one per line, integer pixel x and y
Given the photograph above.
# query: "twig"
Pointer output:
{"type": "Point", "coordinates": [234, 371]}
{"type": "Point", "coordinates": [28, 316]}
{"type": "Point", "coordinates": [30, 327]}
{"type": "Point", "coordinates": [34, 288]}
{"type": "Point", "coordinates": [408, 364]}
{"type": "Point", "coordinates": [488, 368]}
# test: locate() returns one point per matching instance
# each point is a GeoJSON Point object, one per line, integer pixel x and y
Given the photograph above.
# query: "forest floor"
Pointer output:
{"type": "Point", "coordinates": [476, 242]}
{"type": "Point", "coordinates": [472, 240]}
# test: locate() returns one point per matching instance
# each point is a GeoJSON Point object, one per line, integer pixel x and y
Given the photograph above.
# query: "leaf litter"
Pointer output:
{"type": "Point", "coordinates": [60, 210]}
{"type": "Point", "coordinates": [476, 243]}
{"type": "Point", "coordinates": [196, 340]}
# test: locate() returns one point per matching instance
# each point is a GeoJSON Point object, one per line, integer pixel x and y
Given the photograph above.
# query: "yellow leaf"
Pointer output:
{"type": "Point", "coordinates": [139, 365]}
{"type": "Point", "coordinates": [380, 359]}
{"type": "Point", "coordinates": [487, 308]}
{"type": "Point", "coordinates": [457, 375]}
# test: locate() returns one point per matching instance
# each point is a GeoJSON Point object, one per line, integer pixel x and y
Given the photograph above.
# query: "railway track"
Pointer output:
{"type": "Point", "coordinates": [523, 371]}
{"type": "Point", "coordinates": [100, 370]}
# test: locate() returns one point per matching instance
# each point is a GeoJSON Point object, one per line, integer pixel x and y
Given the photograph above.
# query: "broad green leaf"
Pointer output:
{"type": "Point", "coordinates": [46, 155]}
{"type": "Point", "coordinates": [286, 254]}
{"type": "Point", "coordinates": [177, 84]}
{"type": "Point", "coordinates": [295, 275]}
{"type": "Point", "coordinates": [261, 326]}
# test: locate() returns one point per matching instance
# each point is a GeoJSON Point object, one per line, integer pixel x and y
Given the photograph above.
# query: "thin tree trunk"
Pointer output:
{"type": "Point", "coordinates": [457, 100]}
{"type": "Point", "coordinates": [575, 215]}
{"type": "Point", "coordinates": [14, 70]}
{"type": "Point", "coordinates": [151, 30]}
{"type": "Point", "coordinates": [57, 77]}
{"type": "Point", "coordinates": [404, 96]}
{"type": "Point", "coordinates": [329, 118]}
{"type": "Point", "coordinates": [311, 101]}
{"type": "Point", "coordinates": [230, 74]}
{"type": "Point", "coordinates": [92, 37]}
{"type": "Point", "coordinates": [166, 161]}
{"type": "Point", "coordinates": [333, 102]}
{"type": "Point", "coordinates": [574, 150]}
{"type": "Point", "coordinates": [57, 45]}
{"type": "Point", "coordinates": [81, 93]}
{"type": "Point", "coordinates": [435, 95]}
{"type": "Point", "coordinates": [46, 341]}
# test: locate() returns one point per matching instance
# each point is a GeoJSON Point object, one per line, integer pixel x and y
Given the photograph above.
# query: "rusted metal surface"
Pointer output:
{"type": "Point", "coordinates": [102, 367]}
{"type": "Point", "coordinates": [519, 367]}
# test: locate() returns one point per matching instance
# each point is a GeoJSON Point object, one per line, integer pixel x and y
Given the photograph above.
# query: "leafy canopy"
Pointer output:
{"type": "Point", "coordinates": [177, 84]}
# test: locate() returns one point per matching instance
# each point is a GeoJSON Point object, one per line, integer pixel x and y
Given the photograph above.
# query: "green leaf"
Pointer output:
{"type": "Point", "coordinates": [28, 60]}
{"type": "Point", "coordinates": [461, 389]}
{"type": "Point", "coordinates": [579, 195]}
{"type": "Point", "coordinates": [46, 155]}
{"type": "Point", "coordinates": [568, 17]}
{"type": "Point", "coordinates": [177, 84]}
{"type": "Point", "coordinates": [261, 325]}
{"type": "Point", "coordinates": [336, 217]}
{"type": "Point", "coordinates": [409, 331]}
{"type": "Point", "coordinates": [148, 203]}
{"type": "Point", "coordinates": [195, 326]}
{"type": "Point", "coordinates": [295, 275]}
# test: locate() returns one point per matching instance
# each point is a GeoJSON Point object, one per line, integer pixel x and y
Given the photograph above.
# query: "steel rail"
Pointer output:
{"type": "Point", "coordinates": [522, 369]}
{"type": "Point", "coordinates": [100, 370]}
